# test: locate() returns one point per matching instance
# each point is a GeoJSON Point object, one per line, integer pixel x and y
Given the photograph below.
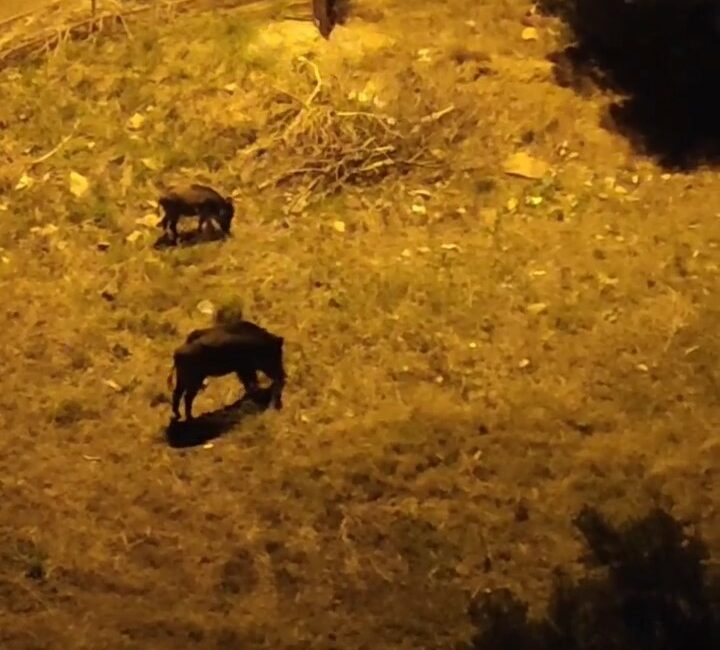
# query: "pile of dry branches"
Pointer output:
{"type": "Point", "coordinates": [315, 149]}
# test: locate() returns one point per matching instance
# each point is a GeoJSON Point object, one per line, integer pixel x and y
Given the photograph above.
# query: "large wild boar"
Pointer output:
{"type": "Point", "coordinates": [240, 347]}
{"type": "Point", "coordinates": [195, 201]}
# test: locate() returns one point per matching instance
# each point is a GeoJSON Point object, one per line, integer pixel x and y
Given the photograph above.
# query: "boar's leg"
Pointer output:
{"type": "Point", "coordinates": [191, 392]}
{"type": "Point", "coordinates": [249, 380]}
{"type": "Point", "coordinates": [322, 11]}
{"type": "Point", "coordinates": [188, 384]}
{"type": "Point", "coordinates": [206, 213]}
{"type": "Point", "coordinates": [170, 217]}
{"type": "Point", "coordinates": [171, 221]}
{"type": "Point", "coordinates": [277, 391]}
{"type": "Point", "coordinates": [277, 374]}
{"type": "Point", "coordinates": [176, 396]}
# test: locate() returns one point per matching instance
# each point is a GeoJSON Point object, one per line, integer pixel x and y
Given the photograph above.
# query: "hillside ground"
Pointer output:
{"type": "Point", "coordinates": [494, 310]}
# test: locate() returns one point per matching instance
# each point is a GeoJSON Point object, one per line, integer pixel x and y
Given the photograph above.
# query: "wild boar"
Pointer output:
{"type": "Point", "coordinates": [195, 201]}
{"type": "Point", "coordinates": [239, 347]}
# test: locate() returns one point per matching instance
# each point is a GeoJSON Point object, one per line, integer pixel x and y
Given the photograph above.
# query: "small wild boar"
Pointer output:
{"type": "Point", "coordinates": [239, 347]}
{"type": "Point", "coordinates": [195, 201]}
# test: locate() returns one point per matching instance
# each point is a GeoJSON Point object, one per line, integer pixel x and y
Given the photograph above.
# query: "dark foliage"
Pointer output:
{"type": "Point", "coordinates": [662, 57]}
{"type": "Point", "coordinates": [651, 594]}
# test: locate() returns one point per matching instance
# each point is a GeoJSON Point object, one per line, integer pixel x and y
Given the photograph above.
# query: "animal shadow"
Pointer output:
{"type": "Point", "coordinates": [202, 429]}
{"type": "Point", "coordinates": [190, 238]}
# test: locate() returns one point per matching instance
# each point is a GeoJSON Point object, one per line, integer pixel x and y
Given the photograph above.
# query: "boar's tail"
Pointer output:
{"type": "Point", "coordinates": [170, 378]}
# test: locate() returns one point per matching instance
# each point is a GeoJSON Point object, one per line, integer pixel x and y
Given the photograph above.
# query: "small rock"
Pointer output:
{"type": "Point", "coordinates": [103, 245]}
{"type": "Point", "coordinates": [150, 163]}
{"type": "Point", "coordinates": [537, 308]}
{"type": "Point", "coordinates": [79, 185]}
{"type": "Point", "coordinates": [25, 181]}
{"type": "Point", "coordinates": [112, 384]}
{"type": "Point", "coordinates": [206, 307]}
{"type": "Point", "coordinates": [424, 54]}
{"type": "Point", "coordinates": [339, 226]}
{"type": "Point", "coordinates": [524, 165]}
{"type": "Point", "coordinates": [48, 230]}
{"type": "Point", "coordinates": [529, 34]}
{"type": "Point", "coordinates": [136, 121]}
{"type": "Point", "coordinates": [419, 208]}
{"type": "Point", "coordinates": [149, 220]}
{"type": "Point", "coordinates": [133, 236]}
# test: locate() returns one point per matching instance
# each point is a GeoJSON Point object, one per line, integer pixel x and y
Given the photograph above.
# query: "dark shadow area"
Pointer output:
{"type": "Point", "coordinates": [209, 426]}
{"type": "Point", "coordinates": [648, 590]}
{"type": "Point", "coordinates": [662, 57]}
{"type": "Point", "coordinates": [190, 238]}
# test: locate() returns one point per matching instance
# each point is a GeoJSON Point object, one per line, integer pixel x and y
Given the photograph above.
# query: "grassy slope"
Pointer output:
{"type": "Point", "coordinates": [365, 513]}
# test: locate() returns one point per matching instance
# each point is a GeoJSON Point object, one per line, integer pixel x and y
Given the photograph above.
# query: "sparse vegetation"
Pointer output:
{"type": "Point", "coordinates": [472, 354]}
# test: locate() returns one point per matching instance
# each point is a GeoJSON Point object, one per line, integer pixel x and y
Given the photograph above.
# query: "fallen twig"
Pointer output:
{"type": "Point", "coordinates": [54, 150]}
{"type": "Point", "coordinates": [379, 118]}
{"type": "Point", "coordinates": [309, 100]}
{"type": "Point", "coordinates": [433, 117]}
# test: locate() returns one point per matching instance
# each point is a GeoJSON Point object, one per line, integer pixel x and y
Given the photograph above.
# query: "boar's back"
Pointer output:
{"type": "Point", "coordinates": [251, 332]}
{"type": "Point", "coordinates": [195, 194]}
{"type": "Point", "coordinates": [196, 334]}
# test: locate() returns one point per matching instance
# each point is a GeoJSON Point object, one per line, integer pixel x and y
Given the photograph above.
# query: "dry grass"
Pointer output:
{"type": "Point", "coordinates": [471, 346]}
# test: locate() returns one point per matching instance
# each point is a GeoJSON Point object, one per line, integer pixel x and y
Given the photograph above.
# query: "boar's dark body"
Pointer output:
{"type": "Point", "coordinates": [240, 347]}
{"type": "Point", "coordinates": [324, 12]}
{"type": "Point", "coordinates": [196, 201]}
